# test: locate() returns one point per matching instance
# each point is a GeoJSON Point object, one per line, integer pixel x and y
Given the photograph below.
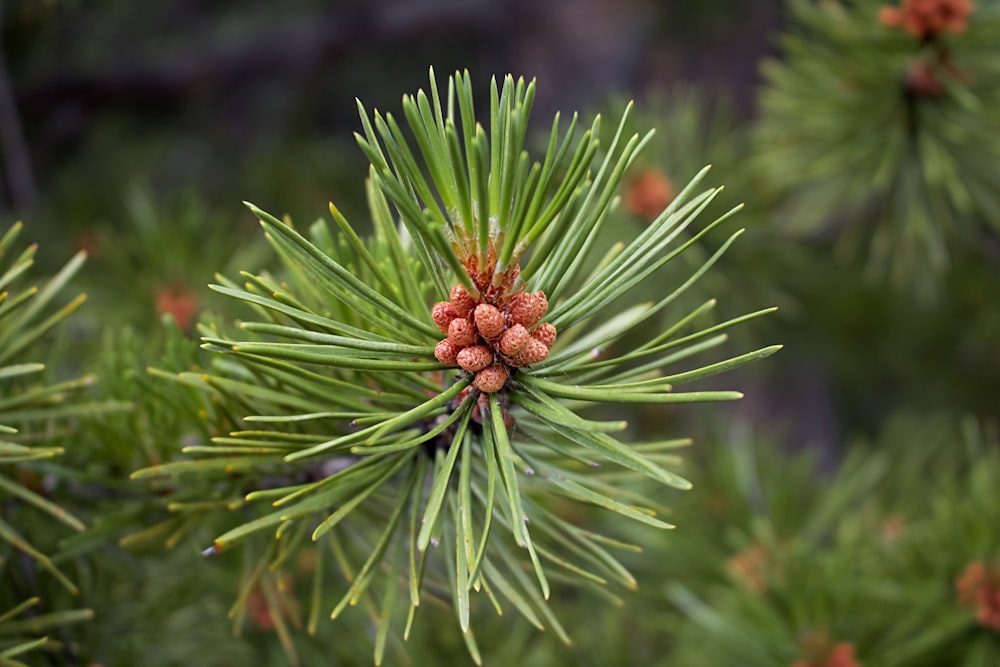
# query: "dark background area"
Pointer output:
{"type": "Point", "coordinates": [134, 130]}
{"type": "Point", "coordinates": [253, 98]}
{"type": "Point", "coordinates": [140, 128]}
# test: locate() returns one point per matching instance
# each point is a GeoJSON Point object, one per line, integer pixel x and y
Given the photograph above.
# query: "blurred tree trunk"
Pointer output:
{"type": "Point", "coordinates": [14, 149]}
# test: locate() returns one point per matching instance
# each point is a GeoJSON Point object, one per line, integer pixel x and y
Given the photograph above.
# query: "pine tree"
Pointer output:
{"type": "Point", "coordinates": [409, 403]}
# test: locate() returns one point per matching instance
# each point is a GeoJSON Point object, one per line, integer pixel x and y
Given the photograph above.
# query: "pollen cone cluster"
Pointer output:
{"type": "Point", "coordinates": [979, 589]}
{"type": "Point", "coordinates": [490, 337]}
{"type": "Point", "coordinates": [926, 18]}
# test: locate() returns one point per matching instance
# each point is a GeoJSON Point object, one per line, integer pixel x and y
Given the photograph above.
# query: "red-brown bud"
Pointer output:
{"type": "Point", "coordinates": [541, 306]}
{"type": "Point", "coordinates": [462, 332]}
{"type": "Point", "coordinates": [491, 379]}
{"type": "Point", "coordinates": [534, 352]}
{"type": "Point", "coordinates": [521, 308]}
{"type": "Point", "coordinates": [649, 193]}
{"type": "Point", "coordinates": [527, 309]}
{"type": "Point", "coordinates": [442, 313]}
{"type": "Point", "coordinates": [461, 300]}
{"type": "Point", "coordinates": [489, 320]}
{"type": "Point", "coordinates": [545, 333]}
{"type": "Point", "coordinates": [447, 352]}
{"type": "Point", "coordinates": [475, 358]}
{"type": "Point", "coordinates": [514, 340]}
{"type": "Point", "coordinates": [926, 18]}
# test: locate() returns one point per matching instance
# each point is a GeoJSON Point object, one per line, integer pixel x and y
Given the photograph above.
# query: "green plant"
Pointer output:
{"type": "Point", "coordinates": [881, 127]}
{"type": "Point", "coordinates": [35, 410]}
{"type": "Point", "coordinates": [692, 126]}
{"type": "Point", "coordinates": [168, 249]}
{"type": "Point", "coordinates": [387, 428]}
{"type": "Point", "coordinates": [850, 567]}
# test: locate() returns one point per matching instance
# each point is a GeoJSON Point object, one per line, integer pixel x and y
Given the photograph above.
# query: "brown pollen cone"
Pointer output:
{"type": "Point", "coordinates": [978, 588]}
{"type": "Point", "coordinates": [462, 332]}
{"type": "Point", "coordinates": [446, 352]}
{"type": "Point", "coordinates": [443, 313]}
{"type": "Point", "coordinates": [926, 18]}
{"type": "Point", "coordinates": [514, 340]}
{"type": "Point", "coordinates": [535, 352]}
{"type": "Point", "coordinates": [545, 333]}
{"type": "Point", "coordinates": [521, 309]}
{"type": "Point", "coordinates": [822, 654]}
{"type": "Point", "coordinates": [649, 193]}
{"type": "Point", "coordinates": [475, 358]}
{"type": "Point", "coordinates": [491, 379]}
{"type": "Point", "coordinates": [178, 302]}
{"type": "Point", "coordinates": [489, 320]}
{"type": "Point", "coordinates": [461, 300]}
{"type": "Point", "coordinates": [495, 332]}
{"type": "Point", "coordinates": [541, 306]}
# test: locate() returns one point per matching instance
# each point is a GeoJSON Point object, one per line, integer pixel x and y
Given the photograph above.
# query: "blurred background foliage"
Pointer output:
{"type": "Point", "coordinates": [844, 503]}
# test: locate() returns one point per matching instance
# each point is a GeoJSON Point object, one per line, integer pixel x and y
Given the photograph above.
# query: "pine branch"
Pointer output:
{"type": "Point", "coordinates": [402, 383]}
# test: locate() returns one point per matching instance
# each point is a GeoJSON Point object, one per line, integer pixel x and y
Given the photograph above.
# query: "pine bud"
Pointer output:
{"type": "Point", "coordinates": [492, 379]}
{"type": "Point", "coordinates": [475, 358]}
{"type": "Point", "coordinates": [462, 332]}
{"type": "Point", "coordinates": [489, 320]}
{"type": "Point", "coordinates": [545, 333]}
{"type": "Point", "coordinates": [443, 313]}
{"type": "Point", "coordinates": [447, 352]}
{"type": "Point", "coordinates": [534, 352]}
{"type": "Point", "coordinates": [514, 340]}
{"type": "Point", "coordinates": [521, 308]}
{"type": "Point", "coordinates": [461, 300]}
{"type": "Point", "coordinates": [541, 306]}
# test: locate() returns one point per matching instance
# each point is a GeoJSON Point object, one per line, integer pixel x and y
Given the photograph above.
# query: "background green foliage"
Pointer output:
{"type": "Point", "coordinates": [843, 497]}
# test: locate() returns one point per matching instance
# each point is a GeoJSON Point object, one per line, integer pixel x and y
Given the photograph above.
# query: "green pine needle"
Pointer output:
{"type": "Point", "coordinates": [390, 457]}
